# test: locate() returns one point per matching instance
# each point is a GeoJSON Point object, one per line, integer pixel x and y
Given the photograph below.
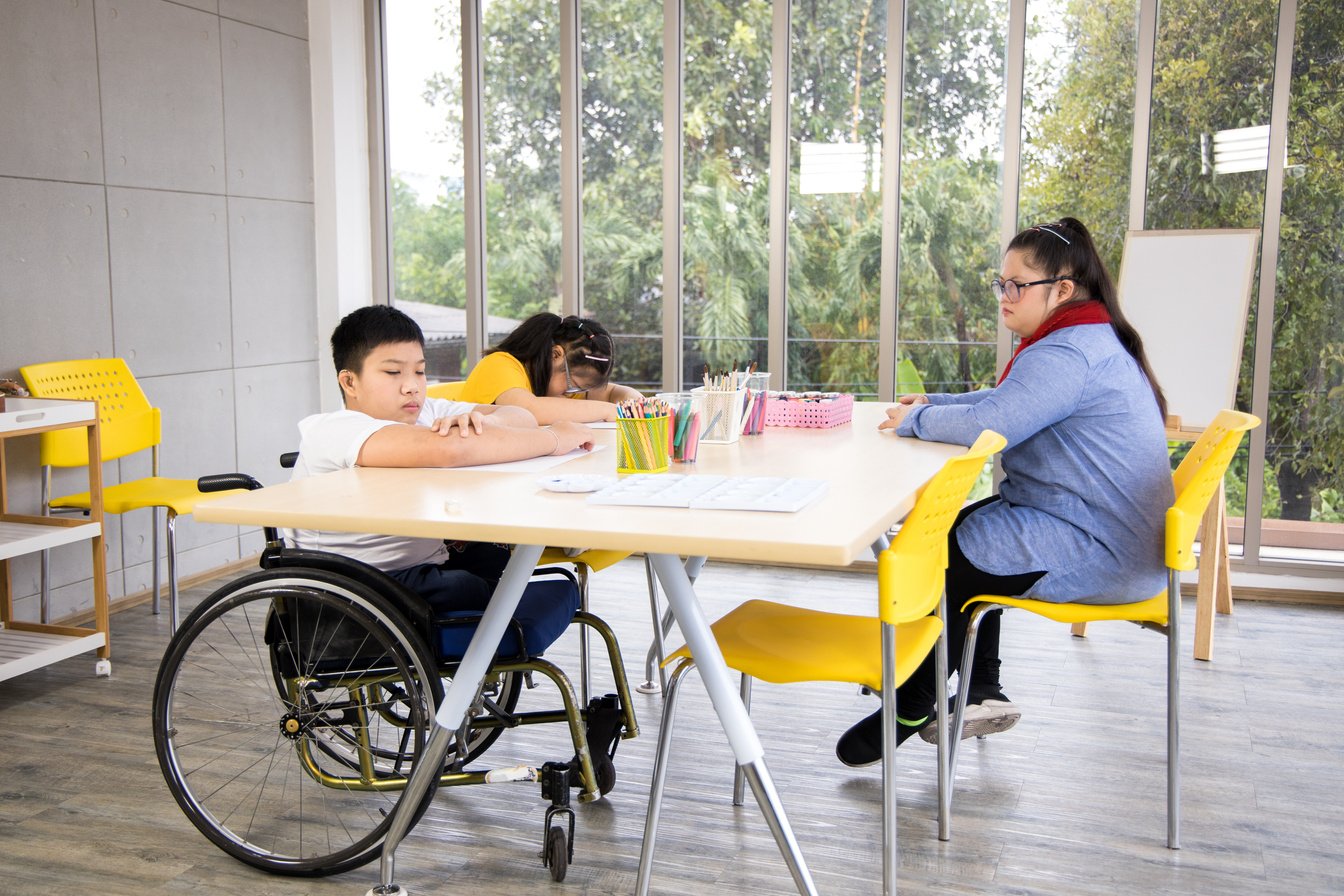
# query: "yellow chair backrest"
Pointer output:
{"type": "Point", "coordinates": [1196, 479]}
{"type": "Point", "coordinates": [910, 572]}
{"type": "Point", "coordinates": [451, 391]}
{"type": "Point", "coordinates": [127, 421]}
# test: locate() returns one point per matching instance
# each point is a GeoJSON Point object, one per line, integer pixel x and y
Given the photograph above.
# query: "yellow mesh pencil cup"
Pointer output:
{"type": "Point", "coordinates": [641, 445]}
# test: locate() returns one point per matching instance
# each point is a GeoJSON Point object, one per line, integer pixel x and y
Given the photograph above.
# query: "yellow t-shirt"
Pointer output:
{"type": "Point", "coordinates": [494, 375]}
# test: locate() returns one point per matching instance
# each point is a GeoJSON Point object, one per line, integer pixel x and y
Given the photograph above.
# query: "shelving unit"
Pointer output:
{"type": "Point", "coordinates": [25, 646]}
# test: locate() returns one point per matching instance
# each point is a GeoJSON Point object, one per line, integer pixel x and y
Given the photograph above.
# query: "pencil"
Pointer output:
{"type": "Point", "coordinates": [709, 428]}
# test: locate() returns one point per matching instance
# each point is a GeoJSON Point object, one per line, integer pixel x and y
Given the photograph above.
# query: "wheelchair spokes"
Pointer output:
{"type": "Point", "coordinates": [303, 777]}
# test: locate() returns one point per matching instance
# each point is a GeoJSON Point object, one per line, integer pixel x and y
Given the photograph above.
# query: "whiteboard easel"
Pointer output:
{"type": "Point", "coordinates": [1187, 293]}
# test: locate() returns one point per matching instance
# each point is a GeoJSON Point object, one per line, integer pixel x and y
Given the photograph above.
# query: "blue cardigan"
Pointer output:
{"type": "Point", "coordinates": [1087, 477]}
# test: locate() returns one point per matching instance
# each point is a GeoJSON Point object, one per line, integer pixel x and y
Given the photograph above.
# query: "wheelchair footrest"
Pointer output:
{"type": "Point", "coordinates": [512, 774]}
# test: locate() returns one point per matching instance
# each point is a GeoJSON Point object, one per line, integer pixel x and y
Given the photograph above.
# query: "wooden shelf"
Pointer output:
{"type": "Point", "coordinates": [28, 535]}
{"type": "Point", "coordinates": [26, 646]}
{"type": "Point", "coordinates": [24, 651]}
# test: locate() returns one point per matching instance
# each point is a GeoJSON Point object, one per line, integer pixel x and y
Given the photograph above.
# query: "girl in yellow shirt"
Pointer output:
{"type": "Point", "coordinates": [546, 362]}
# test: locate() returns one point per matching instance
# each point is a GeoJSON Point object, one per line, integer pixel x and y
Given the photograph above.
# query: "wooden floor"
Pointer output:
{"type": "Point", "coordinates": [1071, 801]}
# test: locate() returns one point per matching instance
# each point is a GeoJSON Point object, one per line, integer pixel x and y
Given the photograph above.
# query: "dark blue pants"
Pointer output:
{"type": "Point", "coordinates": [464, 581]}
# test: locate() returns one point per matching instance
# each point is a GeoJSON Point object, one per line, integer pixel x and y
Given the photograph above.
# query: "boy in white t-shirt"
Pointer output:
{"type": "Point", "coordinates": [388, 421]}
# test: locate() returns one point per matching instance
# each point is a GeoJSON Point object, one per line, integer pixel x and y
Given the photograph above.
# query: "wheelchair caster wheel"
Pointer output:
{"type": "Point", "coordinates": [557, 853]}
{"type": "Point", "coordinates": [605, 770]}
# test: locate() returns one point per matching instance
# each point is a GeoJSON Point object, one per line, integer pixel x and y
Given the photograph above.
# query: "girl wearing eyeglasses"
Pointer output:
{"type": "Point", "coordinates": [1087, 481]}
{"type": "Point", "coordinates": [544, 363]}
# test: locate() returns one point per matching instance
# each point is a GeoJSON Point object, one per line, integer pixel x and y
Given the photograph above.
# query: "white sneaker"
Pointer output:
{"type": "Point", "coordinates": [989, 716]}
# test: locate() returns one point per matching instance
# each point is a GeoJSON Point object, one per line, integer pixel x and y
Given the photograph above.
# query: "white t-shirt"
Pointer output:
{"type": "Point", "coordinates": [329, 442]}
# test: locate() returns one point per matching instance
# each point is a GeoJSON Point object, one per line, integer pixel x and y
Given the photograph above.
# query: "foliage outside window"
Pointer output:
{"type": "Point", "coordinates": [1213, 72]}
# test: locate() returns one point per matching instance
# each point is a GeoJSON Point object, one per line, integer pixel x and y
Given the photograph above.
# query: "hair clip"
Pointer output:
{"type": "Point", "coordinates": [1046, 228]}
{"type": "Point", "coordinates": [598, 358]}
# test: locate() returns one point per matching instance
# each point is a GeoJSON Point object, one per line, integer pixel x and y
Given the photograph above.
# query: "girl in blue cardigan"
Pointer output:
{"type": "Point", "coordinates": [1087, 480]}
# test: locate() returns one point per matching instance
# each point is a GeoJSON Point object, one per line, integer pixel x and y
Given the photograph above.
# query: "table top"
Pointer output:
{"type": "Point", "coordinates": [873, 478]}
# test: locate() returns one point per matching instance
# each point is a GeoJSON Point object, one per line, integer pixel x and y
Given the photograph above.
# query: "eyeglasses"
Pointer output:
{"type": "Point", "coordinates": [1012, 290]}
{"type": "Point", "coordinates": [570, 388]}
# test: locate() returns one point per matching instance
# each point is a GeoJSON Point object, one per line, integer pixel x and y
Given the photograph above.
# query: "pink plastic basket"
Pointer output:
{"type": "Point", "coordinates": [815, 410]}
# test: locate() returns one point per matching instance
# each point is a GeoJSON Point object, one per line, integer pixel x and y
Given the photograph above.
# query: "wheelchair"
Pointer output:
{"type": "Point", "coordinates": [292, 704]}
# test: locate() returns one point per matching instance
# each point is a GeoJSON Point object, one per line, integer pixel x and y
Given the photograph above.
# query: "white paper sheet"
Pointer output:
{"type": "Point", "coordinates": [534, 464]}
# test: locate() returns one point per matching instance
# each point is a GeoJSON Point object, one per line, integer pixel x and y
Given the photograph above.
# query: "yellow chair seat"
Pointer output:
{"type": "Point", "coordinates": [785, 645]}
{"type": "Point", "coordinates": [179, 495]}
{"type": "Point", "coordinates": [1154, 609]}
{"type": "Point", "coordinates": [594, 559]}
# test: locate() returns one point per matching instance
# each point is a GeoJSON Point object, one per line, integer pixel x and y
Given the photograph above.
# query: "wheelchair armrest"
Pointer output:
{"type": "Point", "coordinates": [222, 482]}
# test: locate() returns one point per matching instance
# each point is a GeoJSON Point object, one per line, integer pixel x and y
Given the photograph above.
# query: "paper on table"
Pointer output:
{"type": "Point", "coordinates": [533, 464]}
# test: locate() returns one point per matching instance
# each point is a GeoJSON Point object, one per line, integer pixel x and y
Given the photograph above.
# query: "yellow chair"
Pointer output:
{"type": "Point", "coordinates": [1196, 480]}
{"type": "Point", "coordinates": [784, 644]}
{"type": "Point", "coordinates": [129, 424]}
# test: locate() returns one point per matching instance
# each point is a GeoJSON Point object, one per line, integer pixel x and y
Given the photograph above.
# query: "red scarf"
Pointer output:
{"type": "Point", "coordinates": [1070, 314]}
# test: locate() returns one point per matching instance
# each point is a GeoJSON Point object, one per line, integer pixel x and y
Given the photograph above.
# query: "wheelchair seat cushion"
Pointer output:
{"type": "Point", "coordinates": [546, 609]}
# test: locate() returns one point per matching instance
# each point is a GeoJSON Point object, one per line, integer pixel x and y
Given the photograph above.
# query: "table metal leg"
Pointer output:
{"type": "Point", "coordinates": [457, 700]}
{"type": "Point", "coordinates": [742, 737]}
{"type": "Point", "coordinates": [653, 661]}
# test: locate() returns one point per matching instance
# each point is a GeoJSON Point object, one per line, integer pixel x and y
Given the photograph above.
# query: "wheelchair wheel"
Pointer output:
{"type": "Point", "coordinates": [605, 770]}
{"type": "Point", "coordinates": [288, 715]}
{"type": "Point", "coordinates": [557, 853]}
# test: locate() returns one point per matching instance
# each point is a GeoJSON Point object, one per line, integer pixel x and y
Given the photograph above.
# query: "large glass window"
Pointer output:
{"type": "Point", "coordinates": [1304, 475]}
{"type": "Point", "coordinates": [520, 56]}
{"type": "Point", "coordinates": [622, 182]}
{"type": "Point", "coordinates": [424, 150]}
{"type": "Point", "coordinates": [835, 199]}
{"type": "Point", "coordinates": [1078, 116]}
{"type": "Point", "coordinates": [1207, 158]}
{"type": "Point", "coordinates": [726, 193]}
{"type": "Point", "coordinates": [950, 194]}
{"type": "Point", "coordinates": [1213, 76]}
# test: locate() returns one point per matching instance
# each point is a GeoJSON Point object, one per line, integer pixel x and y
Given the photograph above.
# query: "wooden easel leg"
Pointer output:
{"type": "Point", "coordinates": [1223, 596]}
{"type": "Point", "coordinates": [1214, 587]}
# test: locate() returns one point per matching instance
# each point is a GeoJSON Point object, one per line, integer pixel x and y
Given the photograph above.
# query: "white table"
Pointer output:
{"type": "Point", "coordinates": [873, 481]}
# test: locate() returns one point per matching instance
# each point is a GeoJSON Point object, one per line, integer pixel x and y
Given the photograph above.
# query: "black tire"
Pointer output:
{"type": "Point", "coordinates": [269, 721]}
{"type": "Point", "coordinates": [605, 770]}
{"type": "Point", "coordinates": [557, 853]}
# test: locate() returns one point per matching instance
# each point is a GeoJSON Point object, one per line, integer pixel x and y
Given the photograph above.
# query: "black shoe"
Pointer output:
{"type": "Point", "coordinates": [985, 677]}
{"type": "Point", "coordinates": [861, 745]}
